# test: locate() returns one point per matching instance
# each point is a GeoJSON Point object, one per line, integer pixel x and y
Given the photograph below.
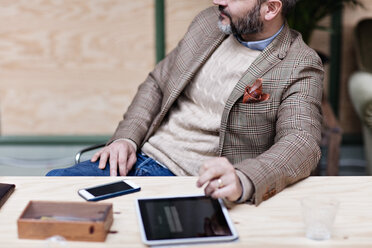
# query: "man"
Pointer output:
{"type": "Point", "coordinates": [237, 102]}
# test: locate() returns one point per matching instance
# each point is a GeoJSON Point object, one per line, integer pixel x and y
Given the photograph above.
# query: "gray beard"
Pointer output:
{"type": "Point", "coordinates": [225, 28]}
{"type": "Point", "coordinates": [249, 24]}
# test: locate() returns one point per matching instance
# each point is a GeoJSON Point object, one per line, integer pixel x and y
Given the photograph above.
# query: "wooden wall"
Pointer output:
{"type": "Point", "coordinates": [73, 66]}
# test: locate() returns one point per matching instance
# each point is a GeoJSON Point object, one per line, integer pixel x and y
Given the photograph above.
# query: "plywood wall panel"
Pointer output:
{"type": "Point", "coordinates": [71, 66]}
{"type": "Point", "coordinates": [179, 14]}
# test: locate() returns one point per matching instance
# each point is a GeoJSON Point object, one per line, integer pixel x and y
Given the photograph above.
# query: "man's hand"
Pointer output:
{"type": "Point", "coordinates": [221, 178]}
{"type": "Point", "coordinates": [120, 153]}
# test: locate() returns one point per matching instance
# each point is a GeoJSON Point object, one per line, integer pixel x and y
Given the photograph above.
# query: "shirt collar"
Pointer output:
{"type": "Point", "coordinates": [261, 44]}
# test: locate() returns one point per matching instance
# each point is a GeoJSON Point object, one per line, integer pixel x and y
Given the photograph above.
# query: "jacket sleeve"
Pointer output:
{"type": "Point", "coordinates": [296, 150]}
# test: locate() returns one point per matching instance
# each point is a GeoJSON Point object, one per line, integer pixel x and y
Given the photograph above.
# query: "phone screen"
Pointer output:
{"type": "Point", "coordinates": [109, 188]}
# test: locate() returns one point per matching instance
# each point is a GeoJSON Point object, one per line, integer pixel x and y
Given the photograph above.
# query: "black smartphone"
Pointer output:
{"type": "Point", "coordinates": [109, 190]}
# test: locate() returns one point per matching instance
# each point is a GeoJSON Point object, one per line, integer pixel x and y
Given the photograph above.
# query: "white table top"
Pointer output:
{"type": "Point", "coordinates": [277, 222]}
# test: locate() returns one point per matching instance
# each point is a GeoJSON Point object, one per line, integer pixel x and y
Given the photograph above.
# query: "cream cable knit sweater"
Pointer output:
{"type": "Point", "coordinates": [190, 134]}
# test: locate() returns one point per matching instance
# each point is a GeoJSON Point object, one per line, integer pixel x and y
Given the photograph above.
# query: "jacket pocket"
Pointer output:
{"type": "Point", "coordinates": [255, 107]}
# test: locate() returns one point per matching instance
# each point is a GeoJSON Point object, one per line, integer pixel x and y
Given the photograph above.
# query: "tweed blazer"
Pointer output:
{"type": "Point", "coordinates": [274, 143]}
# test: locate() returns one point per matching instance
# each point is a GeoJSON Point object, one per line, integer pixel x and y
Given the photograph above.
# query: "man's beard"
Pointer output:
{"type": "Point", "coordinates": [249, 24]}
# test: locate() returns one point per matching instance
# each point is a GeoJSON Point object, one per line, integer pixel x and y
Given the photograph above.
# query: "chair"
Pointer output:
{"type": "Point", "coordinates": [360, 85]}
{"type": "Point", "coordinates": [89, 148]}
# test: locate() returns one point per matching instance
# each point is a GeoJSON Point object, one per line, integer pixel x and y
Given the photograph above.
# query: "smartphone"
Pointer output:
{"type": "Point", "coordinates": [109, 190]}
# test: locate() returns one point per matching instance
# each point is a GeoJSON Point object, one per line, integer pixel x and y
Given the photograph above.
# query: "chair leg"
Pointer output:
{"type": "Point", "coordinates": [333, 156]}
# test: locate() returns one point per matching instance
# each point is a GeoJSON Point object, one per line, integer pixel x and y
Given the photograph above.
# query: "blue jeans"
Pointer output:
{"type": "Point", "coordinates": [145, 166]}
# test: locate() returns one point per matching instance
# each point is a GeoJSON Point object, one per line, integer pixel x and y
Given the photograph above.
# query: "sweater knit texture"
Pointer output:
{"type": "Point", "coordinates": [190, 134]}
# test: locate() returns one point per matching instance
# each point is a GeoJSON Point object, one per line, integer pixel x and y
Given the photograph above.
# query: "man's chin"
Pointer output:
{"type": "Point", "coordinates": [225, 28]}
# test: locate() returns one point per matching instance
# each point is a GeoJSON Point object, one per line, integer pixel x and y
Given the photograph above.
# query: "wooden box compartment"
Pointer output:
{"type": "Point", "coordinates": [81, 221]}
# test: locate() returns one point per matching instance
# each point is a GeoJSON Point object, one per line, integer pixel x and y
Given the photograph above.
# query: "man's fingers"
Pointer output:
{"type": "Point", "coordinates": [131, 161]}
{"type": "Point", "coordinates": [221, 179]}
{"type": "Point", "coordinates": [209, 174]}
{"type": "Point", "coordinates": [209, 189]}
{"type": "Point", "coordinates": [216, 184]}
{"type": "Point", "coordinates": [224, 192]}
{"type": "Point", "coordinates": [122, 156]}
{"type": "Point", "coordinates": [102, 162]}
{"type": "Point", "coordinates": [96, 156]}
{"type": "Point", "coordinates": [118, 155]}
{"type": "Point", "coordinates": [204, 174]}
{"type": "Point", "coordinates": [113, 163]}
{"type": "Point", "coordinates": [230, 192]}
{"type": "Point", "coordinates": [203, 168]}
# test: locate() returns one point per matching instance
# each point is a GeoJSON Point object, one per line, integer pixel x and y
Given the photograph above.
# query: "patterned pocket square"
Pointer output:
{"type": "Point", "coordinates": [254, 93]}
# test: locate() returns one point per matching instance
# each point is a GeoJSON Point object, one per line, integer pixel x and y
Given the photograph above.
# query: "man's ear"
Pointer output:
{"type": "Point", "coordinates": [271, 9]}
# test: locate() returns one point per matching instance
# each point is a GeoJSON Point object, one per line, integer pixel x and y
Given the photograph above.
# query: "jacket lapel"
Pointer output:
{"type": "Point", "coordinates": [210, 43]}
{"type": "Point", "coordinates": [271, 56]}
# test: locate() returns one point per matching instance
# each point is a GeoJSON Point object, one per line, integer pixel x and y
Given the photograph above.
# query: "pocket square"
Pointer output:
{"type": "Point", "coordinates": [254, 93]}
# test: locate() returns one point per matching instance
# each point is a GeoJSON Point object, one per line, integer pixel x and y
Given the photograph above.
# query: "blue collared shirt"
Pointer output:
{"type": "Point", "coordinates": [261, 44]}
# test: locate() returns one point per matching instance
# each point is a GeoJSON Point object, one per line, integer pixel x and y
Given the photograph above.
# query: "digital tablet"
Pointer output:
{"type": "Point", "coordinates": [184, 220]}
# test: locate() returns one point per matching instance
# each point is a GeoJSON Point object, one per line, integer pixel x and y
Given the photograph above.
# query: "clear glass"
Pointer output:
{"type": "Point", "coordinates": [319, 215]}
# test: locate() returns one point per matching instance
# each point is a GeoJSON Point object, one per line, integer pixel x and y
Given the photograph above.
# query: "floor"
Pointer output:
{"type": "Point", "coordinates": [38, 160]}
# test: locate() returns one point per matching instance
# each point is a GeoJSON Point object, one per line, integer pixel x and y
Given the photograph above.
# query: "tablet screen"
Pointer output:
{"type": "Point", "coordinates": [182, 218]}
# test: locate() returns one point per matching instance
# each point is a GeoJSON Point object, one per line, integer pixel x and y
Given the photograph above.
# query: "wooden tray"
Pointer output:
{"type": "Point", "coordinates": [81, 221]}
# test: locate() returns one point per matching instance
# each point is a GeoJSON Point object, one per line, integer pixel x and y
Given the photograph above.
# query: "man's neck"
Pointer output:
{"type": "Point", "coordinates": [268, 31]}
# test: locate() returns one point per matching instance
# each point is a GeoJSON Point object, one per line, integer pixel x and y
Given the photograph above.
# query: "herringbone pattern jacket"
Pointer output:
{"type": "Point", "coordinates": [274, 143]}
